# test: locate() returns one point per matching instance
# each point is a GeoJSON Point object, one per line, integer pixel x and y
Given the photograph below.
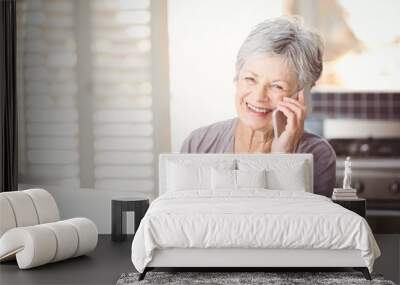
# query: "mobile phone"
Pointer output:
{"type": "Point", "coordinates": [279, 120]}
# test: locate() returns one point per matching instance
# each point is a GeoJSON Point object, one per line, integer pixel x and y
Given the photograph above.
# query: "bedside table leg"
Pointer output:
{"type": "Point", "coordinates": [117, 222]}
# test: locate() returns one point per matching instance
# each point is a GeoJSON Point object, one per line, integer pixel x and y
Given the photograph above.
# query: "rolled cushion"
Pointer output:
{"type": "Point", "coordinates": [46, 206]}
{"type": "Point", "coordinates": [26, 208]}
{"type": "Point", "coordinates": [33, 246]}
{"type": "Point", "coordinates": [37, 245]}
{"type": "Point", "coordinates": [7, 218]}
{"type": "Point", "coordinates": [67, 240]}
{"type": "Point", "coordinates": [23, 208]}
{"type": "Point", "coordinates": [87, 233]}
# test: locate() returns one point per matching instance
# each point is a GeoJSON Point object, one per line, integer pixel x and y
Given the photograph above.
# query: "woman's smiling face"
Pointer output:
{"type": "Point", "coordinates": [262, 82]}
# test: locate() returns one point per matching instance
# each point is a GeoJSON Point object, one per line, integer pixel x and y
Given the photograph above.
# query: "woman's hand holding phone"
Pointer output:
{"type": "Point", "coordinates": [288, 124]}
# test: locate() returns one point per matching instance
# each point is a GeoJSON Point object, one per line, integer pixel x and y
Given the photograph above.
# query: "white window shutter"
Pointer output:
{"type": "Point", "coordinates": [48, 58]}
{"type": "Point", "coordinates": [122, 96]}
{"type": "Point", "coordinates": [122, 145]}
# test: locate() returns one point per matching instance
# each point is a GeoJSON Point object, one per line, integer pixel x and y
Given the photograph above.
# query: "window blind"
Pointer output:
{"type": "Point", "coordinates": [121, 100]}
{"type": "Point", "coordinates": [51, 130]}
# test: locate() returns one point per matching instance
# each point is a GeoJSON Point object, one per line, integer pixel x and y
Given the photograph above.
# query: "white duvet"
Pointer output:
{"type": "Point", "coordinates": [250, 219]}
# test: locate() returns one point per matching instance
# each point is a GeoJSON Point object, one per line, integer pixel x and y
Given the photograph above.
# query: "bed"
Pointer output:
{"type": "Point", "coordinates": [247, 210]}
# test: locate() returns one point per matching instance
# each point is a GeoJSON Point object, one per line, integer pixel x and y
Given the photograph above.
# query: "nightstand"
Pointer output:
{"type": "Point", "coordinates": [119, 207]}
{"type": "Point", "coordinates": [357, 205]}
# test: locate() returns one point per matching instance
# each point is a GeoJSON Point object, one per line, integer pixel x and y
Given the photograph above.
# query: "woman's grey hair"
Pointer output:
{"type": "Point", "coordinates": [287, 37]}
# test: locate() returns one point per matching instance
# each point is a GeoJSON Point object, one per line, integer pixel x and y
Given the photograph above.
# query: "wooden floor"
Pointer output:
{"type": "Point", "coordinates": [102, 266]}
{"type": "Point", "coordinates": [110, 259]}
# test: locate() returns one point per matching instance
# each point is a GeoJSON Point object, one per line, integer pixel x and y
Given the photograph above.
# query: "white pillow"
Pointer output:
{"type": "Point", "coordinates": [189, 174]}
{"type": "Point", "coordinates": [292, 177]}
{"type": "Point", "coordinates": [228, 179]}
{"type": "Point", "coordinates": [223, 179]}
{"type": "Point", "coordinates": [281, 174]}
{"type": "Point", "coordinates": [251, 178]}
{"type": "Point", "coordinates": [184, 177]}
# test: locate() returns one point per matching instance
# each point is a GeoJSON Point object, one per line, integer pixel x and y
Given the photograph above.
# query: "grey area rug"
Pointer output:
{"type": "Point", "coordinates": [225, 278]}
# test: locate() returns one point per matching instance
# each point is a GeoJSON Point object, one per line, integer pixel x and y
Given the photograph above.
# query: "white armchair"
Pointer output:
{"type": "Point", "coordinates": [31, 230]}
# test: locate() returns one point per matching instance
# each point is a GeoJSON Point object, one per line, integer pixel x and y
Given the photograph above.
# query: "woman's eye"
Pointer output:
{"type": "Point", "coordinates": [277, 87]}
{"type": "Point", "coordinates": [251, 79]}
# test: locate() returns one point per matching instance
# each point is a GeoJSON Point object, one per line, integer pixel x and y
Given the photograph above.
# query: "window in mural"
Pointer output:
{"type": "Point", "coordinates": [362, 42]}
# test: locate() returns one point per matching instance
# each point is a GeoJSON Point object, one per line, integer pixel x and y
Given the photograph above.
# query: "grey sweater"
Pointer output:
{"type": "Point", "coordinates": [219, 138]}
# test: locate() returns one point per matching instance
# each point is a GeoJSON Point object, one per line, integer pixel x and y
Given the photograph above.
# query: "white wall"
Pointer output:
{"type": "Point", "coordinates": [204, 37]}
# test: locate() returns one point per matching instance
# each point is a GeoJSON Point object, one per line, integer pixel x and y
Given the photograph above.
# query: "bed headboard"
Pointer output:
{"type": "Point", "coordinates": [277, 160]}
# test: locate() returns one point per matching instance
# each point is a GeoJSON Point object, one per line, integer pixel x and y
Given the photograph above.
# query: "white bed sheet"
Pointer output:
{"type": "Point", "coordinates": [251, 218]}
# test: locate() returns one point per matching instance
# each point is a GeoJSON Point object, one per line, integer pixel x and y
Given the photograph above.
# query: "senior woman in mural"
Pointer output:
{"type": "Point", "coordinates": [276, 66]}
